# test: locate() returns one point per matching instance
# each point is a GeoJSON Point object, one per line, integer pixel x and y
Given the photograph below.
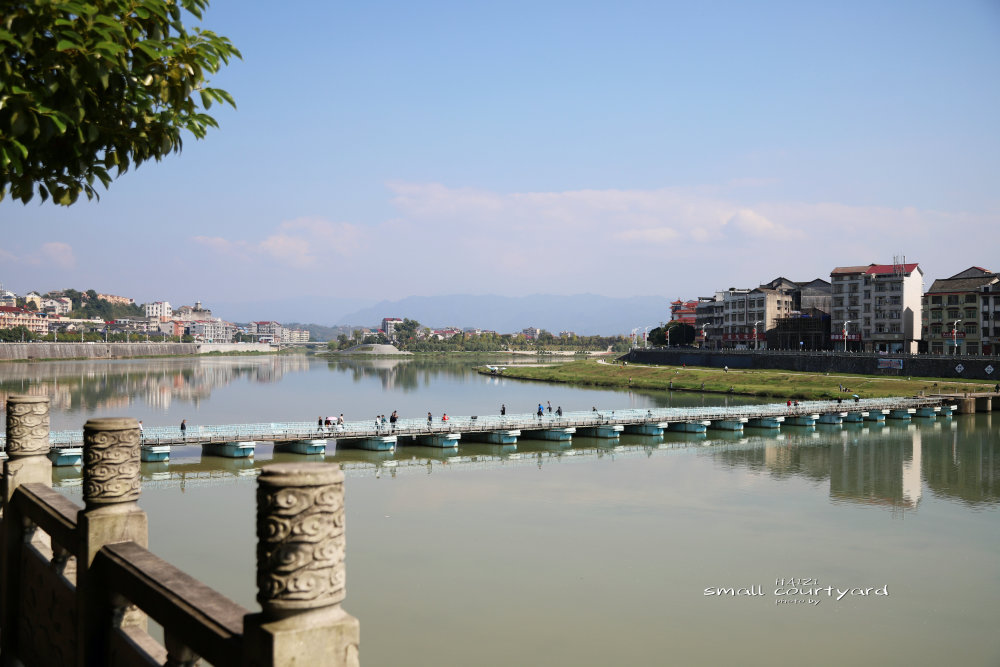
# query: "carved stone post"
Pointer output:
{"type": "Point", "coordinates": [27, 443]}
{"type": "Point", "coordinates": [300, 570]}
{"type": "Point", "coordinates": [27, 446]}
{"type": "Point", "coordinates": [111, 515]}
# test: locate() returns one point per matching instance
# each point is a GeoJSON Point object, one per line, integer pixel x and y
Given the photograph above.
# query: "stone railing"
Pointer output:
{"type": "Point", "coordinates": [77, 585]}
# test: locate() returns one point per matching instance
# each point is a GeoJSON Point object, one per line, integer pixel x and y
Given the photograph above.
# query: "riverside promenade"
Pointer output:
{"type": "Point", "coordinates": [239, 440]}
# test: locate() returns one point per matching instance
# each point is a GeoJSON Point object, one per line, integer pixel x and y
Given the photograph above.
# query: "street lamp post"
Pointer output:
{"type": "Point", "coordinates": [704, 336]}
{"type": "Point", "coordinates": [669, 329]}
{"type": "Point", "coordinates": [756, 346]}
{"type": "Point", "coordinates": [844, 331]}
{"type": "Point", "coordinates": [645, 336]}
{"type": "Point", "coordinates": [954, 336]}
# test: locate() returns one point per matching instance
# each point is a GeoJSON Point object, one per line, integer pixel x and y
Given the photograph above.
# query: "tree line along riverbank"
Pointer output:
{"type": "Point", "coordinates": [745, 382]}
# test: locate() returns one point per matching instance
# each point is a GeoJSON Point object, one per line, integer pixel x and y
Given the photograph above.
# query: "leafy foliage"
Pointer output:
{"type": "Point", "coordinates": [14, 334]}
{"type": "Point", "coordinates": [87, 88]}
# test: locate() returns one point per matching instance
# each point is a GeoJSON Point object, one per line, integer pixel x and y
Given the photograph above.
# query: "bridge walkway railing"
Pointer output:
{"type": "Point", "coordinates": [285, 431]}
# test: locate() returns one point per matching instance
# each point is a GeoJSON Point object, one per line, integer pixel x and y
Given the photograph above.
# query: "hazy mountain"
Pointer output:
{"type": "Point", "coordinates": [585, 314]}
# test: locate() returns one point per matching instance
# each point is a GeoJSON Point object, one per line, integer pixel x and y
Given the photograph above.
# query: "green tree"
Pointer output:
{"type": "Point", "coordinates": [87, 87]}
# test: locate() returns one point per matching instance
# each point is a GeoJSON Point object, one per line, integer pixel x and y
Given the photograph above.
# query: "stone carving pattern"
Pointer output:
{"type": "Point", "coordinates": [300, 548]}
{"type": "Point", "coordinates": [27, 427]}
{"type": "Point", "coordinates": [110, 466]}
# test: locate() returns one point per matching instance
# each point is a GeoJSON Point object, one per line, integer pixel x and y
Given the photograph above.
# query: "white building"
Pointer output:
{"type": "Point", "coordinates": [59, 305]}
{"type": "Point", "coordinates": [212, 331]}
{"type": "Point", "coordinates": [389, 325]}
{"type": "Point", "coordinates": [268, 332]}
{"type": "Point", "coordinates": [877, 307]}
{"type": "Point", "coordinates": [159, 309]}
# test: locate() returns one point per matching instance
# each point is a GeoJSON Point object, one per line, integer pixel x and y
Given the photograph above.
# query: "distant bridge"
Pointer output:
{"type": "Point", "coordinates": [239, 440]}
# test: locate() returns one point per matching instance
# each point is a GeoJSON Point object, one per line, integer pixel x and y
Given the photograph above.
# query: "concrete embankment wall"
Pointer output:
{"type": "Point", "coordinates": [969, 368]}
{"type": "Point", "coordinates": [26, 351]}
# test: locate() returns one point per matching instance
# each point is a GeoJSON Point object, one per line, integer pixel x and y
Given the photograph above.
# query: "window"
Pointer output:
{"type": "Point", "coordinates": [935, 299]}
{"type": "Point", "coordinates": [935, 314]}
{"type": "Point", "coordinates": [952, 299]}
{"type": "Point", "coordinates": [937, 348]}
{"type": "Point", "coordinates": [953, 313]}
{"type": "Point", "coordinates": [971, 328]}
{"type": "Point", "coordinates": [970, 313]}
{"type": "Point", "coordinates": [935, 329]}
{"type": "Point", "coordinates": [972, 348]}
{"type": "Point", "coordinates": [970, 298]}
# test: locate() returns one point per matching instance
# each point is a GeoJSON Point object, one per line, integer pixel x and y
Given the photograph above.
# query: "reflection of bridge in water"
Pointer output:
{"type": "Point", "coordinates": [308, 438]}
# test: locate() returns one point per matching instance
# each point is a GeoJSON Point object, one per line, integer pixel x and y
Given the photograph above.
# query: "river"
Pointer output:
{"type": "Point", "coordinates": [861, 545]}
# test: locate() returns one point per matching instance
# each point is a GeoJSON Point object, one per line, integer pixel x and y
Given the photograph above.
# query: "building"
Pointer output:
{"type": "Point", "coordinates": [961, 314]}
{"type": "Point", "coordinates": [742, 318]}
{"type": "Point", "coordinates": [193, 313]}
{"type": "Point", "coordinates": [876, 308]}
{"type": "Point", "coordinates": [268, 332]}
{"type": "Point", "coordinates": [807, 329]}
{"type": "Point", "coordinates": [33, 299]}
{"type": "Point", "coordinates": [59, 305]}
{"type": "Point", "coordinates": [297, 335]}
{"type": "Point", "coordinates": [531, 333]}
{"type": "Point", "coordinates": [389, 325]}
{"type": "Point", "coordinates": [13, 316]}
{"type": "Point", "coordinates": [212, 331]}
{"type": "Point", "coordinates": [119, 300]}
{"type": "Point", "coordinates": [684, 311]}
{"type": "Point", "coordinates": [159, 310]}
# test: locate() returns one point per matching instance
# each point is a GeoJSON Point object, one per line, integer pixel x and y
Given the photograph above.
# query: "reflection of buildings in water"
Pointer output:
{"type": "Point", "coordinates": [95, 385]}
{"type": "Point", "coordinates": [912, 483]}
{"type": "Point", "coordinates": [871, 469]}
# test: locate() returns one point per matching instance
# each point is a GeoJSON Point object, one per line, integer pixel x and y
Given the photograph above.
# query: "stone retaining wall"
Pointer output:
{"type": "Point", "coordinates": [28, 351]}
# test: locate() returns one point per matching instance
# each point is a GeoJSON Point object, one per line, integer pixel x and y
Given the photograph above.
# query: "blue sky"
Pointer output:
{"type": "Point", "coordinates": [382, 150]}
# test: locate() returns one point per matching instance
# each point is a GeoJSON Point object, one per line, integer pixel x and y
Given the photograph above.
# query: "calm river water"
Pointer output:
{"type": "Point", "coordinates": [596, 553]}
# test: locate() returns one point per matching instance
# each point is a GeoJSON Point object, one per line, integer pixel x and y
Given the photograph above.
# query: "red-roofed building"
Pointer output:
{"type": "Point", "coordinates": [876, 308]}
{"type": "Point", "coordinates": [683, 311]}
{"type": "Point", "coordinates": [13, 316]}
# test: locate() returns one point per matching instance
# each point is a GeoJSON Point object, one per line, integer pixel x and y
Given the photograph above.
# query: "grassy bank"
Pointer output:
{"type": "Point", "coordinates": [764, 383]}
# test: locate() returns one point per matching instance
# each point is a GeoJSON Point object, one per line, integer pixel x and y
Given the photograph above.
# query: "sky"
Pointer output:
{"type": "Point", "coordinates": [382, 150]}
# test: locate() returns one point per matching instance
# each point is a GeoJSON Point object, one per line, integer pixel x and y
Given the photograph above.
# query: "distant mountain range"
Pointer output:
{"type": "Point", "coordinates": [583, 314]}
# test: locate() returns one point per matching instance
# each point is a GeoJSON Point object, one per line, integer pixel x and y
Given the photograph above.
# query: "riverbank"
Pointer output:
{"type": "Point", "coordinates": [762, 383]}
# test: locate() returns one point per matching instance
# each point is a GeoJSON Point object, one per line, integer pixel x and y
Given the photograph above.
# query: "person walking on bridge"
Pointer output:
{"type": "Point", "coordinates": [503, 409]}
{"type": "Point", "coordinates": [184, 429]}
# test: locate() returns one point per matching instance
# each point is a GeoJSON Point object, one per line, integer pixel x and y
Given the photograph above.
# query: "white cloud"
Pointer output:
{"type": "Point", "coordinates": [59, 254]}
{"type": "Point", "coordinates": [53, 255]}
{"type": "Point", "coordinates": [303, 243]}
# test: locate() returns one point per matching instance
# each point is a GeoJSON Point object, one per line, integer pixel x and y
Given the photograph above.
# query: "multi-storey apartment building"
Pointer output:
{"type": "Point", "coordinates": [269, 332]}
{"type": "Point", "coordinates": [741, 318]}
{"type": "Point", "coordinates": [212, 331]}
{"type": "Point", "coordinates": [389, 325]}
{"type": "Point", "coordinates": [193, 313]}
{"type": "Point", "coordinates": [159, 310]}
{"type": "Point", "coordinates": [120, 300]}
{"type": "Point", "coordinates": [961, 314]}
{"type": "Point", "coordinates": [59, 305]}
{"type": "Point", "coordinates": [12, 316]}
{"type": "Point", "coordinates": [876, 308]}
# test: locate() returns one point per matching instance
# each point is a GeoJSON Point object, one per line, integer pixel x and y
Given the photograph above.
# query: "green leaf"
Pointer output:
{"type": "Point", "coordinates": [66, 45]}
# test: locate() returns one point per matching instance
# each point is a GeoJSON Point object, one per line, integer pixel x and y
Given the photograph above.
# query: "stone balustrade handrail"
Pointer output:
{"type": "Point", "coordinates": [78, 584]}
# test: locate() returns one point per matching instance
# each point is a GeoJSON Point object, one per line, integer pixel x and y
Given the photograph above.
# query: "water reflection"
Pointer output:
{"type": "Point", "coordinates": [87, 386]}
